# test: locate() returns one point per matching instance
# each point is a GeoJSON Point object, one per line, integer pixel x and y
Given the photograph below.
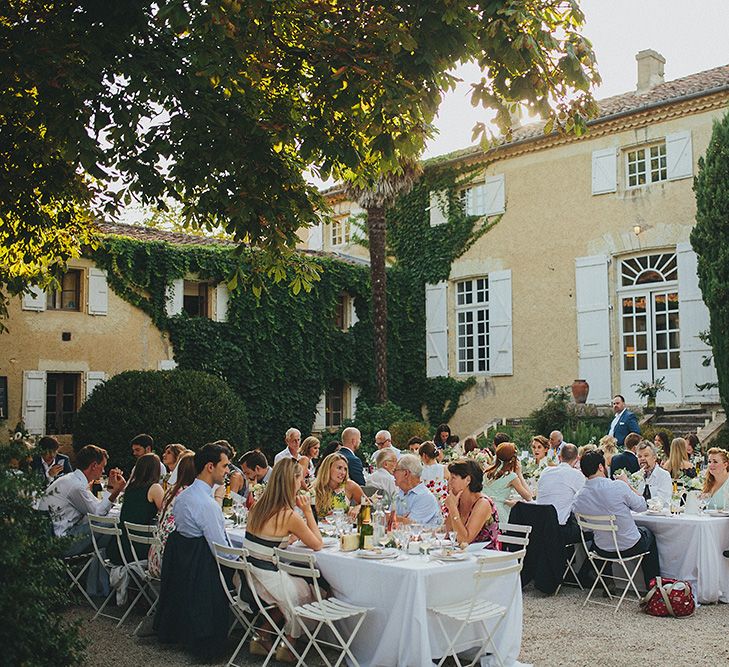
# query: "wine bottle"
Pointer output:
{"type": "Point", "coordinates": [366, 530]}
{"type": "Point", "coordinates": [227, 501]}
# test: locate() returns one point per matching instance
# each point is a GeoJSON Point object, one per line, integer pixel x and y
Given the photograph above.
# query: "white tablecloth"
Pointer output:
{"type": "Point", "coordinates": [690, 548]}
{"type": "Point", "coordinates": [400, 632]}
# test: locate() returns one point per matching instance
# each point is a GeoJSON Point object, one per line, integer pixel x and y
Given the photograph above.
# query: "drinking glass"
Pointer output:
{"type": "Point", "coordinates": [440, 533]}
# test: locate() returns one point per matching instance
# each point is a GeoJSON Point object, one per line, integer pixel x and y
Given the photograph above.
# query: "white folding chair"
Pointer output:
{"type": "Point", "coordinates": [106, 526]}
{"type": "Point", "coordinates": [235, 561]}
{"type": "Point", "coordinates": [521, 538]}
{"type": "Point", "coordinates": [76, 567]}
{"type": "Point", "coordinates": [607, 523]}
{"type": "Point", "coordinates": [139, 533]}
{"type": "Point", "coordinates": [570, 569]}
{"type": "Point", "coordinates": [325, 612]}
{"type": "Point", "coordinates": [478, 610]}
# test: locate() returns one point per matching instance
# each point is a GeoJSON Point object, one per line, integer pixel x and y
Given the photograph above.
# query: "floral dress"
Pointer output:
{"type": "Point", "coordinates": [165, 526]}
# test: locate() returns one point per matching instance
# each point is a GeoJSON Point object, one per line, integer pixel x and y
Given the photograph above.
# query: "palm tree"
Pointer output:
{"type": "Point", "coordinates": [375, 199]}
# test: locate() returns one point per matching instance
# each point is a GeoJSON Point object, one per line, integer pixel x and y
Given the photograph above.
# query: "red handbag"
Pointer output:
{"type": "Point", "coordinates": [668, 597]}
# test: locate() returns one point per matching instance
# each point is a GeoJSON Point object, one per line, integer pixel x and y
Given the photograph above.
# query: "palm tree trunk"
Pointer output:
{"type": "Point", "coordinates": [378, 275]}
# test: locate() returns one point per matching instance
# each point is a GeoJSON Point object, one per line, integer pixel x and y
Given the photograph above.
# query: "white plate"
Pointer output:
{"type": "Point", "coordinates": [658, 512]}
{"type": "Point", "coordinates": [376, 554]}
{"type": "Point", "coordinates": [716, 512]}
{"type": "Point", "coordinates": [327, 542]}
{"type": "Point", "coordinates": [447, 554]}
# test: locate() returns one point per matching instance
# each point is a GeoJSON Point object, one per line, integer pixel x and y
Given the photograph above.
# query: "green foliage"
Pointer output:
{"type": "Point", "coordinates": [402, 431]}
{"type": "Point", "coordinates": [555, 415]}
{"type": "Point", "coordinates": [648, 433]}
{"type": "Point", "coordinates": [185, 406]}
{"type": "Point", "coordinates": [552, 415]}
{"type": "Point", "coordinates": [710, 240]}
{"type": "Point", "coordinates": [33, 583]}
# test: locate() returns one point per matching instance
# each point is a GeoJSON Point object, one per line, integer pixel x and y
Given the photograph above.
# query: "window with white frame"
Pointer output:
{"type": "Point", "coordinates": [646, 165]}
{"type": "Point", "coordinates": [472, 318]}
{"type": "Point", "coordinates": [341, 230]}
{"type": "Point", "coordinates": [474, 200]}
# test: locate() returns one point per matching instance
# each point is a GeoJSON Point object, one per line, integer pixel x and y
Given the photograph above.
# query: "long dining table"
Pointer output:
{"type": "Point", "coordinates": [400, 631]}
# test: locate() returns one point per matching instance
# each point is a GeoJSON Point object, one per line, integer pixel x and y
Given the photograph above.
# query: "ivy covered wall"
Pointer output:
{"type": "Point", "coordinates": [281, 351]}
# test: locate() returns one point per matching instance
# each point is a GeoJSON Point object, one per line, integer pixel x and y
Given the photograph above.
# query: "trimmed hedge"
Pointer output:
{"type": "Point", "coordinates": [189, 407]}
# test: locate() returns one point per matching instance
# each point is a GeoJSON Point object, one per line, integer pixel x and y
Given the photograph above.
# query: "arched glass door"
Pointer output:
{"type": "Point", "coordinates": [649, 325]}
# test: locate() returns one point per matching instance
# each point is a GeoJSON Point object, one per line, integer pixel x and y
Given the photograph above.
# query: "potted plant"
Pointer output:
{"type": "Point", "coordinates": [649, 391]}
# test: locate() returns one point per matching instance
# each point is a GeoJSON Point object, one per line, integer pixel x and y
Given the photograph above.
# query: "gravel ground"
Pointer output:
{"type": "Point", "coordinates": [557, 631]}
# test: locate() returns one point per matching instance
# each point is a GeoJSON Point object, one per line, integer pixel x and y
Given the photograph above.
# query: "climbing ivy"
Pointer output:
{"type": "Point", "coordinates": [280, 351]}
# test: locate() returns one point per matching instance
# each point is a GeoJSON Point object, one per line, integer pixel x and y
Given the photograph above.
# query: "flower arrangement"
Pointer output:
{"type": "Point", "coordinates": [532, 470]}
{"type": "Point", "coordinates": [634, 478]}
{"type": "Point", "coordinates": [692, 483]}
{"type": "Point", "coordinates": [481, 456]}
{"type": "Point", "coordinates": [257, 490]}
{"type": "Point", "coordinates": [649, 390]}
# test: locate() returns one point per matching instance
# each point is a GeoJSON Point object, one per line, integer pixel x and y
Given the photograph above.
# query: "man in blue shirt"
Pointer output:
{"type": "Point", "coordinates": [414, 502]}
{"type": "Point", "coordinates": [197, 514]}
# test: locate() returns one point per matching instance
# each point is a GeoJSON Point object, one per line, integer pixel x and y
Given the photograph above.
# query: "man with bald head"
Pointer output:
{"type": "Point", "coordinates": [556, 440]}
{"type": "Point", "coordinates": [351, 439]}
{"type": "Point", "coordinates": [293, 442]}
{"type": "Point", "coordinates": [383, 441]}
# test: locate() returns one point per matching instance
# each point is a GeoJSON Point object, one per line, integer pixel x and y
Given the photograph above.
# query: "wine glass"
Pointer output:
{"type": "Point", "coordinates": [440, 533]}
{"type": "Point", "coordinates": [338, 518]}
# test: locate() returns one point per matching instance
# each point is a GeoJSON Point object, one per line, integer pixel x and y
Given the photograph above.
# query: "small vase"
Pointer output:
{"type": "Point", "coordinates": [580, 389]}
{"type": "Point", "coordinates": [651, 404]}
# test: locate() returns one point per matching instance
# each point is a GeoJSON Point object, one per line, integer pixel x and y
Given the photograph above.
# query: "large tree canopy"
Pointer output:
{"type": "Point", "coordinates": [223, 106]}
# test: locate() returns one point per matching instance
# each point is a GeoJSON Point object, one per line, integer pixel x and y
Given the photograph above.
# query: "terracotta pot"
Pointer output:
{"type": "Point", "coordinates": [580, 389]}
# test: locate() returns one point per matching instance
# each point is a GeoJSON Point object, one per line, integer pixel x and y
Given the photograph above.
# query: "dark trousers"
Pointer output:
{"type": "Point", "coordinates": [647, 542]}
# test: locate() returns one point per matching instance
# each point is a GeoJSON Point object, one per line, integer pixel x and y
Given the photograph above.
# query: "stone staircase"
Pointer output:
{"type": "Point", "coordinates": [682, 421]}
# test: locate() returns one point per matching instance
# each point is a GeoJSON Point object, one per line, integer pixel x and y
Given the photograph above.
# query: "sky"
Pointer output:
{"type": "Point", "coordinates": [691, 36]}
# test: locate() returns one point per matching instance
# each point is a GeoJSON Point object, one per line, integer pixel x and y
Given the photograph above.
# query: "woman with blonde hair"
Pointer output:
{"type": "Point", "coordinates": [717, 474]}
{"type": "Point", "coordinates": [171, 457]}
{"type": "Point", "coordinates": [504, 476]}
{"type": "Point", "coordinates": [678, 463]}
{"type": "Point", "coordinates": [271, 522]}
{"type": "Point", "coordinates": [333, 489]}
{"type": "Point", "coordinates": [609, 448]}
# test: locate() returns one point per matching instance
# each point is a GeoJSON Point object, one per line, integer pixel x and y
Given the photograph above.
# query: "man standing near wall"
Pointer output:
{"type": "Point", "coordinates": [624, 421]}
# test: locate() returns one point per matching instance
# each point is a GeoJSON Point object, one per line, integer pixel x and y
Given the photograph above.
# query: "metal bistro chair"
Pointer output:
{"type": "Point", "coordinates": [519, 539]}
{"type": "Point", "coordinates": [107, 526]}
{"type": "Point", "coordinates": [570, 569]}
{"type": "Point", "coordinates": [324, 612]}
{"type": "Point", "coordinates": [139, 533]}
{"type": "Point", "coordinates": [478, 610]}
{"type": "Point", "coordinates": [236, 561]}
{"type": "Point", "coordinates": [607, 523]}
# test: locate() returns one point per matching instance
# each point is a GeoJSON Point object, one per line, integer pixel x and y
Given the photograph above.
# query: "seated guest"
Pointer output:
{"type": "Point", "coordinates": [48, 463]}
{"type": "Point", "coordinates": [309, 454]}
{"type": "Point", "coordinates": [414, 503]}
{"type": "Point", "coordinates": [234, 479]}
{"type": "Point", "coordinates": [585, 449]}
{"type": "Point", "coordinates": [498, 439]}
{"type": "Point", "coordinates": [609, 448]}
{"type": "Point", "coordinates": [471, 515]}
{"type": "Point", "coordinates": [382, 478]}
{"type": "Point", "coordinates": [332, 448]}
{"type": "Point", "coordinates": [432, 470]}
{"type": "Point", "coordinates": [657, 482]}
{"type": "Point", "coordinates": [717, 474]}
{"type": "Point", "coordinates": [442, 433]}
{"type": "Point", "coordinates": [540, 450]}
{"type": "Point", "coordinates": [556, 440]}
{"type": "Point", "coordinates": [293, 443]}
{"type": "Point", "coordinates": [414, 444]}
{"type": "Point", "coordinates": [503, 476]}
{"type": "Point", "coordinates": [196, 512]}
{"type": "Point", "coordinates": [558, 487]}
{"type": "Point", "coordinates": [170, 457]}
{"type": "Point", "coordinates": [333, 489]}
{"type": "Point", "coordinates": [69, 499]}
{"type": "Point", "coordinates": [271, 522]}
{"type": "Point", "coordinates": [627, 459]}
{"type": "Point", "coordinates": [470, 444]}
{"type": "Point", "coordinates": [351, 439]}
{"type": "Point", "coordinates": [693, 447]}
{"type": "Point", "coordinates": [661, 444]}
{"type": "Point", "coordinates": [255, 468]}
{"type": "Point", "coordinates": [383, 440]}
{"type": "Point", "coordinates": [144, 444]}
{"type": "Point", "coordinates": [142, 500]}
{"type": "Point", "coordinates": [166, 522]}
{"type": "Point", "coordinates": [600, 496]}
{"type": "Point", "coordinates": [678, 464]}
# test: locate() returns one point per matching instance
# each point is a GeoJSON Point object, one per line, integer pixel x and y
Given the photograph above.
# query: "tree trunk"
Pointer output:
{"type": "Point", "coordinates": [378, 276]}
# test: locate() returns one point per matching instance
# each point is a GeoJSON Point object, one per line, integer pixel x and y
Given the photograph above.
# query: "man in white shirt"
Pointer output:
{"type": "Point", "coordinates": [558, 486]}
{"type": "Point", "coordinates": [69, 499]}
{"type": "Point", "coordinates": [601, 496]}
{"type": "Point", "coordinates": [556, 440]}
{"type": "Point", "coordinates": [383, 441]}
{"type": "Point", "coordinates": [293, 442]}
{"type": "Point", "coordinates": [657, 482]}
{"type": "Point", "coordinates": [382, 478]}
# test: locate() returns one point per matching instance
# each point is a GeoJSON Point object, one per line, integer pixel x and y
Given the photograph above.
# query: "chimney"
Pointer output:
{"type": "Point", "coordinates": [650, 69]}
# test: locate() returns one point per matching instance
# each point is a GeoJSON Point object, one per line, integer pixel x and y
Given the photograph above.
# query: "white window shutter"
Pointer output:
{"type": "Point", "coordinates": [494, 195]}
{"type": "Point", "coordinates": [438, 207]}
{"type": "Point", "coordinates": [316, 237]}
{"type": "Point", "coordinates": [436, 329]}
{"type": "Point", "coordinates": [98, 292]}
{"type": "Point", "coordinates": [34, 402]}
{"type": "Point", "coordinates": [222, 295]}
{"type": "Point", "coordinates": [175, 296]}
{"type": "Point", "coordinates": [604, 171]}
{"type": "Point", "coordinates": [320, 419]}
{"type": "Point", "coordinates": [693, 317]}
{"type": "Point", "coordinates": [167, 365]}
{"type": "Point", "coordinates": [679, 156]}
{"type": "Point", "coordinates": [34, 300]}
{"type": "Point", "coordinates": [501, 356]}
{"type": "Point", "coordinates": [93, 380]}
{"type": "Point", "coordinates": [593, 326]}
{"type": "Point", "coordinates": [353, 394]}
{"type": "Point", "coordinates": [353, 319]}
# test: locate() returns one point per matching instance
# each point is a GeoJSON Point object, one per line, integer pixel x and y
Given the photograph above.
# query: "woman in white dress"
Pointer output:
{"type": "Point", "coordinates": [432, 470]}
{"type": "Point", "coordinates": [271, 522]}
